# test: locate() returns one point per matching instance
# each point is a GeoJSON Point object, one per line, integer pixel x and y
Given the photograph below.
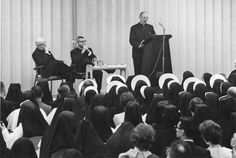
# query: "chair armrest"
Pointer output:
{"type": "Point", "coordinates": [38, 67]}
{"type": "Point", "coordinates": [72, 65]}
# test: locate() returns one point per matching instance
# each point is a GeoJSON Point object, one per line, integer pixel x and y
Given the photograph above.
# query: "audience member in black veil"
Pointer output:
{"type": "Point", "coordinates": [14, 93]}
{"type": "Point", "coordinates": [120, 141]}
{"type": "Point", "coordinates": [124, 99]}
{"type": "Point", "coordinates": [190, 87]}
{"type": "Point", "coordinates": [6, 107]}
{"type": "Point", "coordinates": [192, 104]}
{"type": "Point", "coordinates": [115, 77]}
{"type": "Point", "coordinates": [63, 92]}
{"type": "Point", "coordinates": [119, 91]}
{"type": "Point", "coordinates": [185, 98]}
{"type": "Point", "coordinates": [151, 112]}
{"type": "Point", "coordinates": [98, 99]}
{"type": "Point", "coordinates": [186, 75]}
{"type": "Point", "coordinates": [147, 94]}
{"type": "Point", "coordinates": [142, 137]}
{"type": "Point", "coordinates": [138, 96]}
{"type": "Point", "coordinates": [138, 85]}
{"type": "Point", "coordinates": [174, 90]}
{"type": "Point", "coordinates": [84, 84]}
{"type": "Point", "coordinates": [201, 114]}
{"type": "Point", "coordinates": [232, 78]}
{"type": "Point", "coordinates": [226, 106]}
{"type": "Point", "coordinates": [111, 99]}
{"type": "Point", "coordinates": [166, 119]}
{"type": "Point", "coordinates": [59, 136]}
{"type": "Point", "coordinates": [158, 75]}
{"type": "Point", "coordinates": [70, 104]}
{"type": "Point", "coordinates": [133, 113]}
{"type": "Point", "coordinates": [88, 142]}
{"type": "Point", "coordinates": [199, 91]}
{"type": "Point", "coordinates": [36, 98]}
{"type": "Point", "coordinates": [89, 93]}
{"type": "Point", "coordinates": [206, 78]}
{"type": "Point", "coordinates": [216, 86]}
{"type": "Point", "coordinates": [185, 131]}
{"type": "Point", "coordinates": [165, 88]}
{"type": "Point", "coordinates": [33, 122]}
{"type": "Point", "coordinates": [224, 86]}
{"type": "Point", "coordinates": [47, 95]}
{"type": "Point", "coordinates": [128, 82]}
{"type": "Point", "coordinates": [212, 101]}
{"type": "Point", "coordinates": [100, 118]}
{"type": "Point", "coordinates": [72, 153]}
{"type": "Point", "coordinates": [81, 99]}
{"type": "Point", "coordinates": [4, 151]}
{"type": "Point", "coordinates": [23, 148]}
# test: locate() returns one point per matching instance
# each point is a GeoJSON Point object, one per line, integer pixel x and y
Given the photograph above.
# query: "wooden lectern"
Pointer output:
{"type": "Point", "coordinates": [153, 57]}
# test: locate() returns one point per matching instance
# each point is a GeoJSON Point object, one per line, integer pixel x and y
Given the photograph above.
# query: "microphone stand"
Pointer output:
{"type": "Point", "coordinates": [163, 51]}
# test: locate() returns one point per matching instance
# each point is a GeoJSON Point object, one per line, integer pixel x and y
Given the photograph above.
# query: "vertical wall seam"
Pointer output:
{"type": "Point", "coordinates": [51, 19]}
{"type": "Point", "coordinates": [31, 37]}
{"type": "Point", "coordinates": [204, 29]}
{"type": "Point", "coordinates": [186, 5]}
{"type": "Point", "coordinates": [222, 40]}
{"type": "Point", "coordinates": [195, 36]}
{"type": "Point", "coordinates": [42, 19]}
{"type": "Point", "coordinates": [213, 41]}
{"type": "Point", "coordinates": [21, 41]}
{"type": "Point", "coordinates": [11, 19]}
{"type": "Point", "coordinates": [61, 28]}
{"type": "Point", "coordinates": [231, 39]}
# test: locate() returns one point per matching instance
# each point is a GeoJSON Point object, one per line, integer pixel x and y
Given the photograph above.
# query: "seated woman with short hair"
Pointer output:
{"type": "Point", "coordinates": [212, 133]}
{"type": "Point", "coordinates": [142, 138]}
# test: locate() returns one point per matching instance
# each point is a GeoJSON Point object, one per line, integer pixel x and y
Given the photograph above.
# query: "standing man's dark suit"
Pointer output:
{"type": "Point", "coordinates": [82, 56]}
{"type": "Point", "coordinates": [138, 33]}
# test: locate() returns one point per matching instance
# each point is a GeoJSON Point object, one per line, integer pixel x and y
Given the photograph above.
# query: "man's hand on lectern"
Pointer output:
{"type": "Point", "coordinates": [141, 45]}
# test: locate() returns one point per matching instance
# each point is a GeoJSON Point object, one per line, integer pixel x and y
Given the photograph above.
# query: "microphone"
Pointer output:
{"type": "Point", "coordinates": [161, 25]}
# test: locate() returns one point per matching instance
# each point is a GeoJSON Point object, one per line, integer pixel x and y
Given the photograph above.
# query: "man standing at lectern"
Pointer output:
{"type": "Point", "coordinates": [138, 34]}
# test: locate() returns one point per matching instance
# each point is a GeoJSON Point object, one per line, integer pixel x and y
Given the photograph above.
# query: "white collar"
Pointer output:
{"type": "Point", "coordinates": [135, 151]}
{"type": "Point", "coordinates": [188, 140]}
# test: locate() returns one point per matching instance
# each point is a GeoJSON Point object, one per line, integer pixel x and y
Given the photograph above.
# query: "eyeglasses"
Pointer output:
{"type": "Point", "coordinates": [82, 41]}
{"type": "Point", "coordinates": [177, 127]}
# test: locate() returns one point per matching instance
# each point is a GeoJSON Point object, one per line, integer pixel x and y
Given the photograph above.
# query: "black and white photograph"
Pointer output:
{"type": "Point", "coordinates": [118, 79]}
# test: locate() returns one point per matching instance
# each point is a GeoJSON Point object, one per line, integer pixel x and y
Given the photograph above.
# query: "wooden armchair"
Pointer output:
{"type": "Point", "coordinates": [39, 71]}
{"type": "Point", "coordinates": [38, 76]}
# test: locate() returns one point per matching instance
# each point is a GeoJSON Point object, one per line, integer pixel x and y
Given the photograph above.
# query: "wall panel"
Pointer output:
{"type": "Point", "coordinates": [203, 32]}
{"type": "Point", "coordinates": [6, 42]}
{"type": "Point", "coordinates": [27, 44]}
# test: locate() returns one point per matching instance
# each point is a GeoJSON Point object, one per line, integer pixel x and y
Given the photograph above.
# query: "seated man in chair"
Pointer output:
{"type": "Point", "coordinates": [81, 56]}
{"type": "Point", "coordinates": [52, 67]}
